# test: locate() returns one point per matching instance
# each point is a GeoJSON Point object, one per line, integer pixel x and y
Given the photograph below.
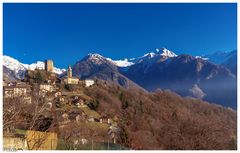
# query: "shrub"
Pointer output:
{"type": "Point", "coordinates": [93, 105]}
{"type": "Point", "coordinates": [36, 76]}
{"type": "Point", "coordinates": [70, 87]}
{"type": "Point", "coordinates": [125, 104]}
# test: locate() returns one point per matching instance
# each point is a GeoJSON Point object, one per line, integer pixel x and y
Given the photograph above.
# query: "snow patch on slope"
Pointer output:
{"type": "Point", "coordinates": [121, 63]}
{"type": "Point", "coordinates": [202, 58]}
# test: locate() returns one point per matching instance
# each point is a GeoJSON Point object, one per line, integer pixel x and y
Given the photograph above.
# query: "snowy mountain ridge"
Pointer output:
{"type": "Point", "coordinates": [19, 67]}
{"type": "Point", "coordinates": [129, 62]}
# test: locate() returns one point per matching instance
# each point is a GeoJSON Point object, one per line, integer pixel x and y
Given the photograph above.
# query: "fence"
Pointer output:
{"type": "Point", "coordinates": [13, 144]}
{"type": "Point", "coordinates": [90, 145]}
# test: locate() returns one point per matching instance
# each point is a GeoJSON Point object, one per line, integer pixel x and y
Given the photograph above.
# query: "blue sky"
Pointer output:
{"type": "Point", "coordinates": [68, 32]}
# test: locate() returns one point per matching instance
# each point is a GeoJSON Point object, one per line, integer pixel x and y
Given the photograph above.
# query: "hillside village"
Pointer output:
{"type": "Point", "coordinates": [46, 112]}
{"type": "Point", "coordinates": [43, 111]}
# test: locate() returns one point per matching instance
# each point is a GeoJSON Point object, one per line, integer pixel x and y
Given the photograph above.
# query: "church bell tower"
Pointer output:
{"type": "Point", "coordinates": [69, 73]}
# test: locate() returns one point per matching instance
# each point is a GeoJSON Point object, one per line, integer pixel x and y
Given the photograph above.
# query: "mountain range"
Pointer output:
{"type": "Point", "coordinates": [227, 59]}
{"type": "Point", "coordinates": [18, 69]}
{"type": "Point", "coordinates": [205, 77]}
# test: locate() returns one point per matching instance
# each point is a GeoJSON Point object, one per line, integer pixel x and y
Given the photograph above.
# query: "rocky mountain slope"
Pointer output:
{"type": "Point", "coordinates": [95, 66]}
{"type": "Point", "coordinates": [188, 76]}
{"type": "Point", "coordinates": [231, 62]}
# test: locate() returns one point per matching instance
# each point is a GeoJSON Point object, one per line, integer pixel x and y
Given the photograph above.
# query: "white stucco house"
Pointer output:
{"type": "Point", "coordinates": [89, 82]}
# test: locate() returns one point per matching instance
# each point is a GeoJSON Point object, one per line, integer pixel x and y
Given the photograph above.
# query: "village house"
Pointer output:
{"type": "Point", "coordinates": [61, 99]}
{"type": "Point", "coordinates": [27, 99]}
{"type": "Point", "coordinates": [75, 115]}
{"type": "Point", "coordinates": [80, 103]}
{"type": "Point", "coordinates": [43, 93]}
{"type": "Point", "coordinates": [65, 118]}
{"type": "Point", "coordinates": [58, 94]}
{"type": "Point", "coordinates": [16, 90]}
{"type": "Point", "coordinates": [10, 84]}
{"type": "Point", "coordinates": [105, 119]}
{"type": "Point", "coordinates": [46, 87]}
{"type": "Point", "coordinates": [69, 79]}
{"type": "Point", "coordinates": [52, 79]}
{"type": "Point", "coordinates": [89, 82]}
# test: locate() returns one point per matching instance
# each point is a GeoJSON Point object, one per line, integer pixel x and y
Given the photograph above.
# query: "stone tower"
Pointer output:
{"type": "Point", "coordinates": [49, 65]}
{"type": "Point", "coordinates": [69, 72]}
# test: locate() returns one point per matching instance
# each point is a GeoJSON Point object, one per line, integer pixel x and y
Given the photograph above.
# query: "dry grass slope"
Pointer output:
{"type": "Point", "coordinates": [164, 120]}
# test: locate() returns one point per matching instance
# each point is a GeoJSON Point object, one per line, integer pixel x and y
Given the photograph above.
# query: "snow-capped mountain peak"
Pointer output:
{"type": "Point", "coordinates": [150, 55]}
{"type": "Point", "coordinates": [12, 63]}
{"type": "Point", "coordinates": [96, 58]}
{"type": "Point", "coordinates": [41, 65]}
{"type": "Point", "coordinates": [15, 66]}
{"type": "Point", "coordinates": [95, 55]}
{"type": "Point", "coordinates": [128, 62]}
{"type": "Point", "coordinates": [166, 52]}
{"type": "Point", "coordinates": [20, 68]}
{"type": "Point", "coordinates": [38, 65]}
{"type": "Point", "coordinates": [163, 52]}
{"type": "Point", "coordinates": [99, 59]}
